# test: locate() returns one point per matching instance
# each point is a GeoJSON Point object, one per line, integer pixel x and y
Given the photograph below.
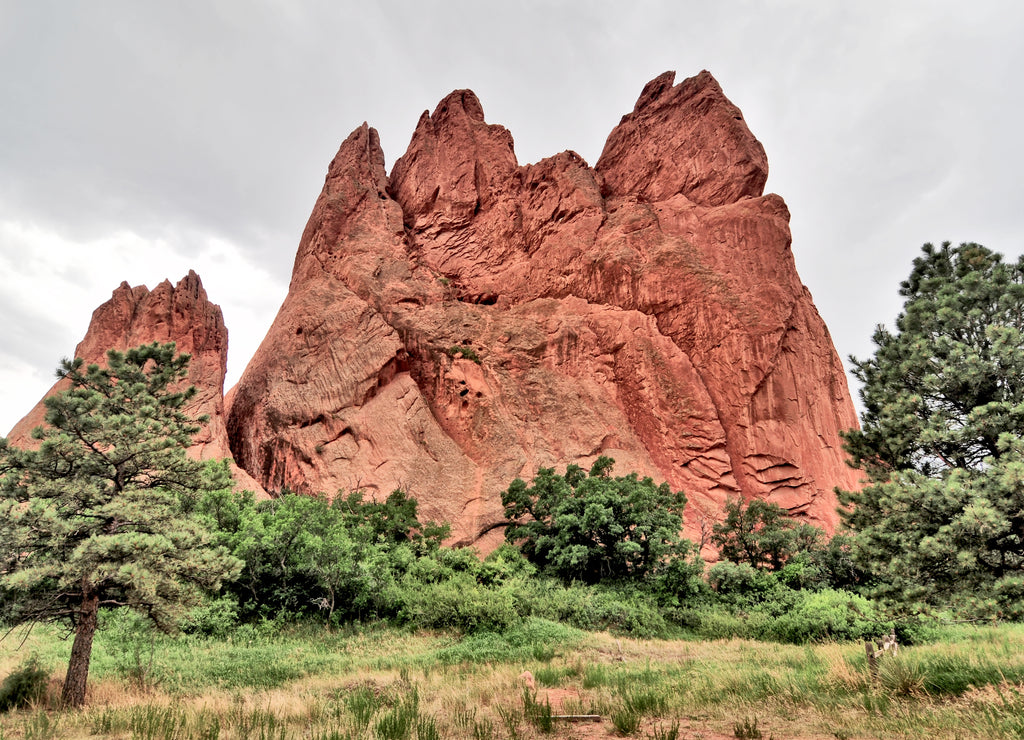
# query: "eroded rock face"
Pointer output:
{"type": "Point", "coordinates": [182, 314]}
{"type": "Point", "coordinates": [467, 320]}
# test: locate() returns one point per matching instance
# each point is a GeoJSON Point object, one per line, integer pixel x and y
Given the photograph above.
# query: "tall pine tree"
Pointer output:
{"type": "Point", "coordinates": [942, 519]}
{"type": "Point", "coordinates": [95, 517]}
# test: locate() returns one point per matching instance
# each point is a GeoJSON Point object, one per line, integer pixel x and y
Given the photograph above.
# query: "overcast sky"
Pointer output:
{"type": "Point", "coordinates": [141, 139]}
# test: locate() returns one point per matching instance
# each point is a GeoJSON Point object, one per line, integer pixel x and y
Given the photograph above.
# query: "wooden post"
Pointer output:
{"type": "Point", "coordinates": [872, 665]}
{"type": "Point", "coordinates": [876, 650]}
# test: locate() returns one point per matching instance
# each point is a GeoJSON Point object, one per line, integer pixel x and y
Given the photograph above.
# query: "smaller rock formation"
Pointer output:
{"type": "Point", "coordinates": [182, 314]}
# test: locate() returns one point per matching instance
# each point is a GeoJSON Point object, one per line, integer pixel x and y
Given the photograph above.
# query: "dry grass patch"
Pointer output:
{"type": "Point", "coordinates": [391, 685]}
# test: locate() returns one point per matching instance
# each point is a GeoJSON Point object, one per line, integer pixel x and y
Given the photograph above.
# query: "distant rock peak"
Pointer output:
{"type": "Point", "coordinates": [687, 139]}
{"type": "Point", "coordinates": [180, 313]}
{"type": "Point", "coordinates": [654, 90]}
{"type": "Point", "coordinates": [458, 102]}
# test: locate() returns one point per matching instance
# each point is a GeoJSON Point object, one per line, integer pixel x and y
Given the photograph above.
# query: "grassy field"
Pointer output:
{"type": "Point", "coordinates": [377, 682]}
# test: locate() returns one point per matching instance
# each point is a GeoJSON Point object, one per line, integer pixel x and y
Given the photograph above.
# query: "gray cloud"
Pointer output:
{"type": "Point", "coordinates": [183, 124]}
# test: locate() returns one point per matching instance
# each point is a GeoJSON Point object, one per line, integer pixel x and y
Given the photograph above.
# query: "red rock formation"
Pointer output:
{"type": "Point", "coordinates": [647, 308]}
{"type": "Point", "coordinates": [182, 314]}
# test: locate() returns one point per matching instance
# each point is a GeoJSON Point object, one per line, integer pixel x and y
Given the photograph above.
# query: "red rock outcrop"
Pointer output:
{"type": "Point", "coordinates": [468, 319]}
{"type": "Point", "coordinates": [182, 314]}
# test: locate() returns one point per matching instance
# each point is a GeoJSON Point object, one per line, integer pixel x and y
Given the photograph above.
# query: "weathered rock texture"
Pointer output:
{"type": "Point", "coordinates": [647, 308]}
{"type": "Point", "coordinates": [182, 314]}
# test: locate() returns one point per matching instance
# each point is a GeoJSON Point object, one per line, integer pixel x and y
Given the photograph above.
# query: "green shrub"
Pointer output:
{"type": "Point", "coordinates": [721, 622]}
{"type": "Point", "coordinates": [898, 676]}
{"type": "Point", "coordinates": [661, 732]}
{"type": "Point", "coordinates": [520, 642]}
{"type": "Point", "coordinates": [481, 647]}
{"type": "Point", "coordinates": [504, 564]}
{"type": "Point", "coordinates": [919, 630]}
{"type": "Point", "coordinates": [466, 352]}
{"type": "Point", "coordinates": [596, 675]}
{"type": "Point", "coordinates": [426, 729]}
{"type": "Point", "coordinates": [549, 675]}
{"type": "Point", "coordinates": [537, 713]}
{"type": "Point", "coordinates": [24, 686]}
{"type": "Point", "coordinates": [747, 729]}
{"type": "Point", "coordinates": [761, 534]}
{"type": "Point", "coordinates": [591, 527]}
{"type": "Point", "coordinates": [681, 580]}
{"type": "Point", "coordinates": [362, 704]}
{"type": "Point", "coordinates": [534, 632]}
{"type": "Point", "coordinates": [741, 582]}
{"type": "Point", "coordinates": [215, 618]}
{"type": "Point", "coordinates": [828, 615]}
{"type": "Point", "coordinates": [398, 722]}
{"type": "Point", "coordinates": [645, 701]}
{"type": "Point", "coordinates": [460, 603]}
{"type": "Point", "coordinates": [483, 729]}
{"type": "Point", "coordinates": [625, 720]}
{"type": "Point", "coordinates": [746, 589]}
{"type": "Point", "coordinates": [619, 609]}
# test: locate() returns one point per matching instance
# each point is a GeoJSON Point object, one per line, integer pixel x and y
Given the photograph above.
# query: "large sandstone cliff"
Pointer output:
{"type": "Point", "coordinates": [468, 319]}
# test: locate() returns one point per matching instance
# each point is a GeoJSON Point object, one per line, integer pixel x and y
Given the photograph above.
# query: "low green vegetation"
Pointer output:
{"type": "Point", "coordinates": [465, 352]}
{"type": "Point", "coordinates": [353, 561]}
{"type": "Point", "coordinates": [24, 686]}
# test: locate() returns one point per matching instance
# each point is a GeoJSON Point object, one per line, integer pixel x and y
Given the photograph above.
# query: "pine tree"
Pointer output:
{"type": "Point", "coordinates": [940, 391]}
{"type": "Point", "coordinates": [96, 517]}
{"type": "Point", "coordinates": [942, 519]}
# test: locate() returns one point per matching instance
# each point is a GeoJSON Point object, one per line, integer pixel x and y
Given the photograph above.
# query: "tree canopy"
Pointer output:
{"type": "Point", "coordinates": [590, 527]}
{"type": "Point", "coordinates": [942, 520]}
{"type": "Point", "coordinates": [304, 555]}
{"type": "Point", "coordinates": [942, 388]}
{"type": "Point", "coordinates": [95, 516]}
{"type": "Point", "coordinates": [761, 534]}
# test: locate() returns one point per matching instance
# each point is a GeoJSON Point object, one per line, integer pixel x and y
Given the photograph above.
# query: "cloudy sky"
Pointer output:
{"type": "Point", "coordinates": [141, 139]}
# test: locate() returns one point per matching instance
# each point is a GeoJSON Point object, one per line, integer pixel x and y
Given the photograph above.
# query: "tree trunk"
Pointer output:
{"type": "Point", "coordinates": [73, 694]}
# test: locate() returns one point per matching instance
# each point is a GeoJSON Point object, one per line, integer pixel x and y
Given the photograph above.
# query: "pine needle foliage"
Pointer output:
{"type": "Point", "coordinates": [942, 520]}
{"type": "Point", "coordinates": [96, 516]}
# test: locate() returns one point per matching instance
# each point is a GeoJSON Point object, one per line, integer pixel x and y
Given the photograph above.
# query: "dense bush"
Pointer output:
{"type": "Point", "coordinates": [504, 564]}
{"type": "Point", "coordinates": [458, 603]}
{"type": "Point", "coordinates": [24, 686]}
{"type": "Point", "coordinates": [742, 586]}
{"type": "Point", "coordinates": [590, 526]}
{"type": "Point", "coordinates": [828, 615]}
{"type": "Point", "coordinates": [305, 557]}
{"type": "Point", "coordinates": [217, 617]}
{"type": "Point", "coordinates": [619, 608]}
{"type": "Point", "coordinates": [762, 535]}
{"type": "Point", "coordinates": [533, 638]}
{"type": "Point", "coordinates": [719, 622]}
{"type": "Point", "coordinates": [792, 617]}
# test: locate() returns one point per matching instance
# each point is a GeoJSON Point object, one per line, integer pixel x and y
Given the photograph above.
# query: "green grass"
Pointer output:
{"type": "Point", "coordinates": [468, 353]}
{"type": "Point", "coordinates": [391, 684]}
